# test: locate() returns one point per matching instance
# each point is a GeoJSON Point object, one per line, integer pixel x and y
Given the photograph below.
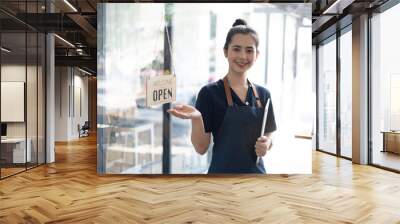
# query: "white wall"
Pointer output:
{"type": "Point", "coordinates": [15, 73]}
{"type": "Point", "coordinates": [71, 87]}
{"type": "Point", "coordinates": [33, 104]}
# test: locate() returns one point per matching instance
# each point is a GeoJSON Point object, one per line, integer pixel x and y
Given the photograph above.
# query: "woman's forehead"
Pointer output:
{"type": "Point", "coordinates": [243, 40]}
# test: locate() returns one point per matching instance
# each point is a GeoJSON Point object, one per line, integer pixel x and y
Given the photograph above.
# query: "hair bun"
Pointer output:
{"type": "Point", "coordinates": [239, 22]}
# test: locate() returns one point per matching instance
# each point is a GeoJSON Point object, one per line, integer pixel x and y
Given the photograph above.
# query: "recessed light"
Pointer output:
{"type": "Point", "coordinates": [71, 6]}
{"type": "Point", "coordinates": [86, 72]}
{"type": "Point", "coordinates": [64, 40]}
{"type": "Point", "coordinates": [5, 50]}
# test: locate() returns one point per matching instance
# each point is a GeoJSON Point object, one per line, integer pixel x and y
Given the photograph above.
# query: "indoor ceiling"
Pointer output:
{"type": "Point", "coordinates": [75, 22]}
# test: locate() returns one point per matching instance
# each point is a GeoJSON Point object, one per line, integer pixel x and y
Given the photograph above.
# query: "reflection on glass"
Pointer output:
{"type": "Point", "coordinates": [31, 101]}
{"type": "Point", "coordinates": [132, 136]}
{"type": "Point", "coordinates": [385, 85]}
{"type": "Point", "coordinates": [32, 89]}
{"type": "Point", "coordinates": [210, 65]}
{"type": "Point", "coordinates": [346, 94]}
{"type": "Point", "coordinates": [23, 88]}
{"type": "Point", "coordinates": [131, 133]}
{"type": "Point", "coordinates": [41, 99]}
{"type": "Point", "coordinates": [327, 96]}
{"type": "Point", "coordinates": [14, 150]}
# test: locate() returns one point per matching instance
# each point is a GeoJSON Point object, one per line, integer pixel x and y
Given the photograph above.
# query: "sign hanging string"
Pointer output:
{"type": "Point", "coordinates": [170, 51]}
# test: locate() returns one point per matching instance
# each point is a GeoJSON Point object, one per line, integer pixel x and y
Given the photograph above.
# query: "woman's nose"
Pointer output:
{"type": "Point", "coordinates": [242, 54]}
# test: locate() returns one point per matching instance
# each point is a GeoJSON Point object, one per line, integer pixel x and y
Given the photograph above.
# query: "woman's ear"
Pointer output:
{"type": "Point", "coordinates": [226, 52]}
{"type": "Point", "coordinates": [258, 53]}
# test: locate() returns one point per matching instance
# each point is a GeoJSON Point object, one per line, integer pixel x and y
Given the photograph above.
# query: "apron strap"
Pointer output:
{"type": "Point", "coordinates": [255, 93]}
{"type": "Point", "coordinates": [229, 94]}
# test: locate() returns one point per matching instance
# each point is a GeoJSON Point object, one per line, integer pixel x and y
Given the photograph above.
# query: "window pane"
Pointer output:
{"type": "Point", "coordinates": [289, 84]}
{"type": "Point", "coordinates": [31, 101]}
{"type": "Point", "coordinates": [386, 89]}
{"type": "Point", "coordinates": [198, 36]}
{"type": "Point", "coordinates": [132, 132]}
{"type": "Point", "coordinates": [41, 98]}
{"type": "Point", "coordinates": [327, 96]}
{"type": "Point", "coordinates": [13, 86]}
{"type": "Point", "coordinates": [346, 94]}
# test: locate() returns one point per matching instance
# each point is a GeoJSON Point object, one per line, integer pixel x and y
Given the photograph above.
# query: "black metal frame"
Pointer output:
{"type": "Point", "coordinates": [369, 90]}
{"type": "Point", "coordinates": [316, 98]}
{"type": "Point", "coordinates": [166, 131]}
{"type": "Point", "coordinates": [0, 91]}
{"type": "Point", "coordinates": [45, 91]}
{"type": "Point", "coordinates": [27, 27]}
{"type": "Point", "coordinates": [26, 91]}
{"type": "Point", "coordinates": [341, 30]}
{"type": "Point", "coordinates": [338, 98]}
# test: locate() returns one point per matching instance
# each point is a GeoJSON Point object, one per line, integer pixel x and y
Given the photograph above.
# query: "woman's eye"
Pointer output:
{"type": "Point", "coordinates": [249, 51]}
{"type": "Point", "coordinates": [236, 49]}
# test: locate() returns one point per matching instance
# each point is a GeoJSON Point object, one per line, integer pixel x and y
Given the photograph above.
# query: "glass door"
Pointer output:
{"type": "Point", "coordinates": [15, 151]}
{"type": "Point", "coordinates": [346, 93]}
{"type": "Point", "coordinates": [327, 96]}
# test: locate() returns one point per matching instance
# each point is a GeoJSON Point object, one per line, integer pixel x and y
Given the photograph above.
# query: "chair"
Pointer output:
{"type": "Point", "coordinates": [84, 130]}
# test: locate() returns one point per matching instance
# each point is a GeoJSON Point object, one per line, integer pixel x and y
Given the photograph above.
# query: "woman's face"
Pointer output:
{"type": "Point", "coordinates": [241, 53]}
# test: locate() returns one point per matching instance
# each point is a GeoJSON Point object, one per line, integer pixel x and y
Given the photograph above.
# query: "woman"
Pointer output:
{"type": "Point", "coordinates": [232, 110]}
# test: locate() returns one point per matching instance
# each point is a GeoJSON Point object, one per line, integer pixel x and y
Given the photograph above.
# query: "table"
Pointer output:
{"type": "Point", "coordinates": [391, 141]}
{"type": "Point", "coordinates": [13, 150]}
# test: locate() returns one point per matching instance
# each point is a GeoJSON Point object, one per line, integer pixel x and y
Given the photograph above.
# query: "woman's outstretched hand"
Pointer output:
{"type": "Point", "coordinates": [185, 112]}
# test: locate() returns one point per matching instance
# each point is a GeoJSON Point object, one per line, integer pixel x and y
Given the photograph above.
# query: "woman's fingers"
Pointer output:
{"type": "Point", "coordinates": [261, 144]}
{"type": "Point", "coordinates": [260, 152]}
{"type": "Point", "coordinates": [262, 139]}
{"type": "Point", "coordinates": [178, 106]}
{"type": "Point", "coordinates": [261, 148]}
{"type": "Point", "coordinates": [184, 111]}
{"type": "Point", "coordinates": [179, 114]}
{"type": "Point", "coordinates": [183, 108]}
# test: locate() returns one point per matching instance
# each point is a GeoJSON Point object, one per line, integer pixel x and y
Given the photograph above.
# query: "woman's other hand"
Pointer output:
{"type": "Point", "coordinates": [185, 112]}
{"type": "Point", "coordinates": [262, 145]}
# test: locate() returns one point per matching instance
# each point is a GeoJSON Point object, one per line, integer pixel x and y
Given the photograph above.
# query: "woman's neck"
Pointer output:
{"type": "Point", "coordinates": [236, 79]}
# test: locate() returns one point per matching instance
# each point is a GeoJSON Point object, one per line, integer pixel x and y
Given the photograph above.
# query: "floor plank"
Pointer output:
{"type": "Point", "coordinates": [70, 191]}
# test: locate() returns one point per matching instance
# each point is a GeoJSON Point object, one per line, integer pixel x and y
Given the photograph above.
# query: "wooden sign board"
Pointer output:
{"type": "Point", "coordinates": [160, 90]}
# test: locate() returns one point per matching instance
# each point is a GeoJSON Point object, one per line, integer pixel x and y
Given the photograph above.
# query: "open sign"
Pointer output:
{"type": "Point", "coordinates": [160, 89]}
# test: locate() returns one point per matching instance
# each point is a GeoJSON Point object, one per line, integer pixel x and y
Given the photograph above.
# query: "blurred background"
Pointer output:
{"type": "Point", "coordinates": [132, 46]}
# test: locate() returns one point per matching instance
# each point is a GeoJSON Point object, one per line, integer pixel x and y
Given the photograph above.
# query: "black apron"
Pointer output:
{"type": "Point", "coordinates": [234, 151]}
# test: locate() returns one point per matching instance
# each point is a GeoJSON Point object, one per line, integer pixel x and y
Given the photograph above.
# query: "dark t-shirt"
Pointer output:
{"type": "Point", "coordinates": [212, 104]}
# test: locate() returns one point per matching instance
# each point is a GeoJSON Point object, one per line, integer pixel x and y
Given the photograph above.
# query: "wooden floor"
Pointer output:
{"type": "Point", "coordinates": [387, 159]}
{"type": "Point", "coordinates": [10, 171]}
{"type": "Point", "coordinates": [70, 191]}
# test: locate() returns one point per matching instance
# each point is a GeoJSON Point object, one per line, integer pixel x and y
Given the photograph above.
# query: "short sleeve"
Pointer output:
{"type": "Point", "coordinates": [271, 124]}
{"type": "Point", "coordinates": [204, 105]}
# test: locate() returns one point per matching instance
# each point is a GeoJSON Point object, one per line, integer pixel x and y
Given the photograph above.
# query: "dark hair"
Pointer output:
{"type": "Point", "coordinates": [240, 26]}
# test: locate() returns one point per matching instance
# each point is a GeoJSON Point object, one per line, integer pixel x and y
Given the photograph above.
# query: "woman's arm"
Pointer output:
{"type": "Point", "coordinates": [200, 139]}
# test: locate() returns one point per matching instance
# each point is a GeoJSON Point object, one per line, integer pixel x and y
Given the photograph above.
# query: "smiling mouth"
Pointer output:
{"type": "Point", "coordinates": [241, 64]}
